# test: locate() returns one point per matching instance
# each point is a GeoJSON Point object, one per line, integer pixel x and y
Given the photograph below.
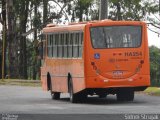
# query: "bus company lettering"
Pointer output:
{"type": "Point", "coordinates": [112, 60]}
{"type": "Point", "coordinates": [132, 54]}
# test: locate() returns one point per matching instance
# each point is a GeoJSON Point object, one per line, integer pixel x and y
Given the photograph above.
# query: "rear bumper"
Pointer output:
{"type": "Point", "coordinates": [102, 82]}
{"type": "Point", "coordinates": [92, 91]}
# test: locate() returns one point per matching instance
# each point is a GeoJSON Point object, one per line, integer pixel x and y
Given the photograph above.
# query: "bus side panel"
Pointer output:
{"type": "Point", "coordinates": [88, 69]}
{"type": "Point", "coordinates": [145, 70]}
{"type": "Point", "coordinates": [86, 55]}
{"type": "Point", "coordinates": [44, 79]}
{"type": "Point", "coordinates": [77, 74]}
{"type": "Point", "coordinates": [59, 70]}
{"type": "Point", "coordinates": [59, 84]}
{"type": "Point", "coordinates": [79, 84]}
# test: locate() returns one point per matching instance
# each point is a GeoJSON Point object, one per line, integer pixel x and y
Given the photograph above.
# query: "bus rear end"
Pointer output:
{"type": "Point", "coordinates": [116, 58]}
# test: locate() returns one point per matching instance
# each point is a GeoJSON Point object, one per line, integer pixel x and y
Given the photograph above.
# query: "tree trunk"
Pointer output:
{"type": "Point", "coordinates": [12, 43]}
{"type": "Point", "coordinates": [45, 11]}
{"type": "Point", "coordinates": [23, 51]}
{"type": "Point", "coordinates": [103, 11]}
{"type": "Point", "coordinates": [81, 14]}
{"type": "Point", "coordinates": [119, 17]}
{"type": "Point", "coordinates": [35, 38]}
{"type": "Point", "coordinates": [0, 66]}
{"type": "Point", "coordinates": [4, 39]}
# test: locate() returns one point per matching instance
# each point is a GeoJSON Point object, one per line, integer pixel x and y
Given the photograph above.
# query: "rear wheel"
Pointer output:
{"type": "Point", "coordinates": [54, 95]}
{"type": "Point", "coordinates": [73, 97]}
{"type": "Point", "coordinates": [125, 95]}
{"type": "Point", "coordinates": [130, 96]}
{"type": "Point", "coordinates": [82, 97]}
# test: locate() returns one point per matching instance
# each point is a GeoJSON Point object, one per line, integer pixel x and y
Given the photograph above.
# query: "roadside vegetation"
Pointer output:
{"type": "Point", "coordinates": [32, 83]}
{"type": "Point", "coordinates": [153, 91]}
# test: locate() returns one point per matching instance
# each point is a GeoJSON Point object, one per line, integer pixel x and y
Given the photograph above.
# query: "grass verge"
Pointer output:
{"type": "Point", "coordinates": [153, 91]}
{"type": "Point", "coordinates": [33, 83]}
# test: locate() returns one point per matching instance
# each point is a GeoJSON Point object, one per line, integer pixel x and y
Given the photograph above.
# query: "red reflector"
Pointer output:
{"type": "Point", "coordinates": [92, 63]}
{"type": "Point", "coordinates": [142, 61]}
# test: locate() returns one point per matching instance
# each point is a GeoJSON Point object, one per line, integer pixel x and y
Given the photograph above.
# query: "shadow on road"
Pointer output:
{"type": "Point", "coordinates": [110, 100]}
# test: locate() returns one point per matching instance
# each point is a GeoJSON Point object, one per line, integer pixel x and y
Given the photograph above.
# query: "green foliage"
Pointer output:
{"type": "Point", "coordinates": [155, 65]}
{"type": "Point", "coordinates": [78, 8]}
{"type": "Point", "coordinates": [153, 91]}
{"type": "Point", "coordinates": [131, 9]}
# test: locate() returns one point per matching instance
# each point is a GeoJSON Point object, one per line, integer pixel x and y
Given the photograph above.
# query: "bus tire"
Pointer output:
{"type": "Point", "coordinates": [73, 97]}
{"type": "Point", "coordinates": [82, 97]}
{"type": "Point", "coordinates": [125, 95]}
{"type": "Point", "coordinates": [54, 95]}
{"type": "Point", "coordinates": [130, 95]}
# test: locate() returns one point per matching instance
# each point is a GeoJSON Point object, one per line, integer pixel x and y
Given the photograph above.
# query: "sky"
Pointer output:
{"type": "Point", "coordinates": [153, 39]}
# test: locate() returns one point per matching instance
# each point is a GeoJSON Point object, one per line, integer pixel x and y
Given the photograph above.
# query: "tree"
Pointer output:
{"type": "Point", "coordinates": [138, 10]}
{"type": "Point", "coordinates": [0, 59]}
{"type": "Point", "coordinates": [1, 22]}
{"type": "Point", "coordinates": [154, 65]}
{"type": "Point", "coordinates": [21, 11]}
{"type": "Point", "coordinates": [45, 11]}
{"type": "Point", "coordinates": [131, 9]}
{"type": "Point", "coordinates": [36, 23]}
{"type": "Point", "coordinates": [79, 8]}
{"type": "Point", "coordinates": [11, 41]}
{"type": "Point", "coordinates": [3, 45]}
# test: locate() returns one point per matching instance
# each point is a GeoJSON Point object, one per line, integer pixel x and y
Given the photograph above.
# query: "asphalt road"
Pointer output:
{"type": "Point", "coordinates": [32, 100]}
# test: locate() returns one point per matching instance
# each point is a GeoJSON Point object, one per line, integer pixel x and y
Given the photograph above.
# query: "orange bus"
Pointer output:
{"type": "Point", "coordinates": [96, 58]}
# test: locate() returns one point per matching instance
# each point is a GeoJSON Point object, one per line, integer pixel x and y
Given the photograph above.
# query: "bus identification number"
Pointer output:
{"type": "Point", "coordinates": [117, 72]}
{"type": "Point", "coordinates": [133, 54]}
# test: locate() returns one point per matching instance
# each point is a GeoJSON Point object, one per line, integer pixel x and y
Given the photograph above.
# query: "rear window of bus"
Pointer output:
{"type": "Point", "coordinates": [116, 36]}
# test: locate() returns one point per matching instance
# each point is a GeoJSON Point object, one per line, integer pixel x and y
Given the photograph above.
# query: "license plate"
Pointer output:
{"type": "Point", "coordinates": [117, 72]}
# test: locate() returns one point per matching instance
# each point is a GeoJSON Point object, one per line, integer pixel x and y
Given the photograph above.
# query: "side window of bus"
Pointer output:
{"type": "Point", "coordinates": [75, 45]}
{"type": "Point", "coordinates": [80, 45]}
{"type": "Point", "coordinates": [49, 42]}
{"type": "Point", "coordinates": [60, 46]}
{"type": "Point", "coordinates": [65, 45]}
{"type": "Point", "coordinates": [70, 44]}
{"type": "Point", "coordinates": [65, 48]}
{"type": "Point", "coordinates": [54, 47]}
{"type": "Point", "coordinates": [44, 45]}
